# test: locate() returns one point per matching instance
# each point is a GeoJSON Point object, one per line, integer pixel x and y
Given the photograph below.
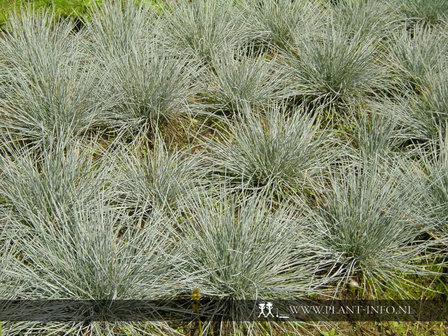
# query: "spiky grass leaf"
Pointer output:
{"type": "Point", "coordinates": [364, 229]}
{"type": "Point", "coordinates": [48, 183]}
{"type": "Point", "coordinates": [331, 69]}
{"type": "Point", "coordinates": [428, 12]}
{"type": "Point", "coordinates": [203, 28]}
{"type": "Point", "coordinates": [280, 23]}
{"type": "Point", "coordinates": [159, 177]}
{"type": "Point", "coordinates": [46, 87]}
{"type": "Point", "coordinates": [423, 117]}
{"type": "Point", "coordinates": [415, 54]}
{"type": "Point", "coordinates": [277, 152]}
{"type": "Point", "coordinates": [240, 81]}
{"type": "Point", "coordinates": [244, 249]}
{"type": "Point", "coordinates": [95, 254]}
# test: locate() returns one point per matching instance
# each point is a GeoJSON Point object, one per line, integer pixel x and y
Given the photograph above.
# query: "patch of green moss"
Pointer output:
{"type": "Point", "coordinates": [62, 8]}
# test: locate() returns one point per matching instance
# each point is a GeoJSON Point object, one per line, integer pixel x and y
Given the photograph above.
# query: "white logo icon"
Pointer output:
{"type": "Point", "coordinates": [266, 310]}
{"type": "Point", "coordinates": [268, 307]}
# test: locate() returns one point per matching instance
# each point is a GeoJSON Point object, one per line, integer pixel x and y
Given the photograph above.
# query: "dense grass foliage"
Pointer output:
{"type": "Point", "coordinates": [156, 178]}
{"type": "Point", "coordinates": [364, 222]}
{"type": "Point", "coordinates": [203, 28]}
{"type": "Point", "coordinates": [331, 68]}
{"type": "Point", "coordinates": [273, 151]}
{"type": "Point", "coordinates": [243, 149]}
{"type": "Point", "coordinates": [239, 81]}
{"type": "Point", "coordinates": [278, 23]}
{"type": "Point", "coordinates": [47, 89]}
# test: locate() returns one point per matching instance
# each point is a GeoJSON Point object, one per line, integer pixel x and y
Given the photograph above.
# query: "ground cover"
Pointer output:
{"type": "Point", "coordinates": [224, 150]}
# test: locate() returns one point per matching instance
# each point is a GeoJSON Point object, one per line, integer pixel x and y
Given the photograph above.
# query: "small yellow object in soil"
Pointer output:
{"type": "Point", "coordinates": [196, 295]}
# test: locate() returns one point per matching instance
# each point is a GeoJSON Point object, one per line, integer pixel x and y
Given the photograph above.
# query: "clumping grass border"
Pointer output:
{"type": "Point", "coordinates": [315, 133]}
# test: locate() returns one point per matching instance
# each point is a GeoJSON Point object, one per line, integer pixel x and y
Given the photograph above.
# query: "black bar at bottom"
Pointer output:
{"type": "Point", "coordinates": [209, 309]}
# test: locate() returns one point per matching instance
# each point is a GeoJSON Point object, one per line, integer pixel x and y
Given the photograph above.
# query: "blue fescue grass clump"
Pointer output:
{"type": "Point", "coordinates": [142, 84]}
{"type": "Point", "coordinates": [49, 183]}
{"type": "Point", "coordinates": [202, 28]}
{"type": "Point", "coordinates": [93, 254]}
{"type": "Point", "coordinates": [433, 181]}
{"type": "Point", "coordinates": [47, 88]}
{"type": "Point", "coordinates": [332, 67]}
{"type": "Point", "coordinates": [364, 223]}
{"type": "Point", "coordinates": [236, 81]}
{"type": "Point", "coordinates": [422, 116]}
{"type": "Point", "coordinates": [158, 179]}
{"type": "Point", "coordinates": [271, 150]}
{"type": "Point", "coordinates": [277, 24]}
{"type": "Point", "coordinates": [244, 249]}
{"type": "Point", "coordinates": [414, 54]}
{"type": "Point", "coordinates": [232, 149]}
{"type": "Point", "coordinates": [431, 12]}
